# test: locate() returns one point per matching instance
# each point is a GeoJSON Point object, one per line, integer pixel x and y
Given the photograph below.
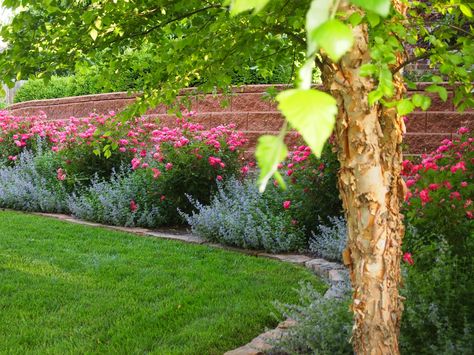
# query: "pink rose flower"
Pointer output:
{"type": "Point", "coordinates": [61, 175]}
{"type": "Point", "coordinates": [424, 196]}
{"type": "Point", "coordinates": [156, 173]}
{"type": "Point", "coordinates": [136, 163]}
{"type": "Point", "coordinates": [463, 130]}
{"type": "Point", "coordinates": [408, 258]}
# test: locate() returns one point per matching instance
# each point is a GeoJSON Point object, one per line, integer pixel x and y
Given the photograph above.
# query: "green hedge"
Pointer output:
{"type": "Point", "coordinates": [91, 81]}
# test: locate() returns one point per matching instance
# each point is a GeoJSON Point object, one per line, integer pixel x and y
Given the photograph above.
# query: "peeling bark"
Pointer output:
{"type": "Point", "coordinates": [369, 151]}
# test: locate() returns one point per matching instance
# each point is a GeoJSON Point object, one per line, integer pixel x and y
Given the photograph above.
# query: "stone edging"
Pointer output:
{"type": "Point", "coordinates": [333, 273]}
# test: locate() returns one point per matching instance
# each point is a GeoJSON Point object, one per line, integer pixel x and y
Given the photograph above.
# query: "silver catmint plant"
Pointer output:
{"type": "Point", "coordinates": [323, 325]}
{"type": "Point", "coordinates": [329, 241]}
{"type": "Point", "coordinates": [31, 184]}
{"type": "Point", "coordinates": [239, 215]}
{"type": "Point", "coordinates": [117, 201]}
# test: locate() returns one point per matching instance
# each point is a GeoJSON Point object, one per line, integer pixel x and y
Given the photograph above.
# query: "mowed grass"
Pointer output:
{"type": "Point", "coordinates": [72, 289]}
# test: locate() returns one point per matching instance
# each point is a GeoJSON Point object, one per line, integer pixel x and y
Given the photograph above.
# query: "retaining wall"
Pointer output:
{"type": "Point", "coordinates": [247, 108]}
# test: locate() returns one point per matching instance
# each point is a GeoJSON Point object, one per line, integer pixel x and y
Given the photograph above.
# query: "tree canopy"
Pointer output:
{"type": "Point", "coordinates": [204, 43]}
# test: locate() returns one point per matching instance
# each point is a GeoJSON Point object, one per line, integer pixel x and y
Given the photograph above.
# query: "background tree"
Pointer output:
{"type": "Point", "coordinates": [360, 47]}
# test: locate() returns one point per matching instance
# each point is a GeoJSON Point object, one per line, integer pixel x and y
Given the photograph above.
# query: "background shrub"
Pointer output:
{"type": "Point", "coordinates": [38, 89]}
{"type": "Point", "coordinates": [95, 78]}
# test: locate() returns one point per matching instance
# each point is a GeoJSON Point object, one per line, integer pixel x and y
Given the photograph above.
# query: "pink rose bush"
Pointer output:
{"type": "Point", "coordinates": [438, 248]}
{"type": "Point", "coordinates": [441, 191]}
{"type": "Point", "coordinates": [312, 186]}
{"type": "Point", "coordinates": [166, 161]}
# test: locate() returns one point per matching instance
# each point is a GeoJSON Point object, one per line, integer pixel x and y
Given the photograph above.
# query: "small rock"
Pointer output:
{"type": "Point", "coordinates": [244, 350]}
{"type": "Point", "coordinates": [336, 275]}
{"type": "Point", "coordinates": [229, 248]}
{"type": "Point", "coordinates": [287, 324]}
{"type": "Point", "coordinates": [81, 222]}
{"type": "Point", "coordinates": [290, 258]}
{"type": "Point", "coordinates": [271, 334]}
{"type": "Point", "coordinates": [181, 237]}
{"type": "Point", "coordinates": [260, 344]}
{"type": "Point", "coordinates": [133, 230]}
{"type": "Point", "coordinates": [334, 292]}
{"type": "Point", "coordinates": [296, 259]}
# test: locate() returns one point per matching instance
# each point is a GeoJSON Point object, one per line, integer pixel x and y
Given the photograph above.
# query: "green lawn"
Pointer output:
{"type": "Point", "coordinates": [67, 288]}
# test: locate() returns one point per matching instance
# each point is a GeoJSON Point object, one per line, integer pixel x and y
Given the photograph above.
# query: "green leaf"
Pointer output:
{"type": "Point", "coordinates": [465, 10]}
{"type": "Point", "coordinates": [445, 68]}
{"type": "Point", "coordinates": [385, 82]}
{"type": "Point", "coordinates": [373, 19]}
{"type": "Point", "coordinates": [88, 17]}
{"type": "Point", "coordinates": [436, 79]}
{"type": "Point", "coordinates": [381, 7]}
{"type": "Point", "coordinates": [367, 69]}
{"type": "Point", "coordinates": [334, 37]}
{"type": "Point", "coordinates": [238, 6]}
{"type": "Point", "coordinates": [270, 151]}
{"type": "Point", "coordinates": [442, 92]}
{"type": "Point", "coordinates": [93, 33]}
{"type": "Point", "coordinates": [317, 14]}
{"type": "Point", "coordinates": [425, 105]}
{"type": "Point", "coordinates": [311, 112]}
{"type": "Point", "coordinates": [355, 19]}
{"type": "Point", "coordinates": [421, 101]}
{"type": "Point", "coordinates": [404, 107]}
{"type": "Point", "coordinates": [374, 96]}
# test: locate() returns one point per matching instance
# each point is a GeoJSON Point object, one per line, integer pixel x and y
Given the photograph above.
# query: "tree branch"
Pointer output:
{"type": "Point", "coordinates": [151, 29]}
{"type": "Point", "coordinates": [298, 39]}
{"type": "Point", "coordinates": [425, 55]}
{"type": "Point", "coordinates": [181, 17]}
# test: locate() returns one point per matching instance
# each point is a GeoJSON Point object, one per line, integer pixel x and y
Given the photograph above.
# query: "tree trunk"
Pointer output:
{"type": "Point", "coordinates": [369, 151]}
